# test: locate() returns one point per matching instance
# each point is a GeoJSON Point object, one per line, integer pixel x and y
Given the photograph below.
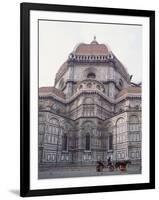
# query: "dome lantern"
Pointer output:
{"type": "Point", "coordinates": [94, 40]}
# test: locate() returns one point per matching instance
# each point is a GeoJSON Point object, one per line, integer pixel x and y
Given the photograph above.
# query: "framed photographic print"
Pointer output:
{"type": "Point", "coordinates": [87, 99]}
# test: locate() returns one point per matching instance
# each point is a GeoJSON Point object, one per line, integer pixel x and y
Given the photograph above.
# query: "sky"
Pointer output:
{"type": "Point", "coordinates": [58, 39]}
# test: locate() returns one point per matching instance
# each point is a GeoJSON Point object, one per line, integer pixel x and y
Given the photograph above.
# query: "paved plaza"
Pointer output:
{"type": "Point", "coordinates": [84, 172]}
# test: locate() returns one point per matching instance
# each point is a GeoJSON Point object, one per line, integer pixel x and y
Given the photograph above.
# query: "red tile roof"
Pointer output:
{"type": "Point", "coordinates": [129, 90]}
{"type": "Point", "coordinates": [53, 90]}
{"type": "Point", "coordinates": [94, 48]}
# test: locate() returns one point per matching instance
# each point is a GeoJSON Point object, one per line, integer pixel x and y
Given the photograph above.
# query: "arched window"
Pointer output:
{"type": "Point", "coordinates": [88, 100]}
{"type": "Point", "coordinates": [120, 125]}
{"type": "Point", "coordinates": [98, 87]}
{"type": "Point", "coordinates": [134, 123]}
{"type": "Point", "coordinates": [89, 85]}
{"type": "Point", "coordinates": [110, 142]}
{"type": "Point", "coordinates": [134, 128]}
{"type": "Point", "coordinates": [87, 142]}
{"type": "Point", "coordinates": [64, 142]}
{"type": "Point", "coordinates": [52, 131]}
{"type": "Point", "coordinates": [91, 75]}
{"type": "Point", "coordinates": [109, 131]}
{"type": "Point", "coordinates": [54, 121]}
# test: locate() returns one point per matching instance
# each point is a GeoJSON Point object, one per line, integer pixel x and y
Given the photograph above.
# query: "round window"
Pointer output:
{"type": "Point", "coordinates": [91, 75]}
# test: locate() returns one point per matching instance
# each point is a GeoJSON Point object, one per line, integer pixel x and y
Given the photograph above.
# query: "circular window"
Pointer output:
{"type": "Point", "coordinates": [89, 85]}
{"type": "Point", "coordinates": [98, 87]}
{"type": "Point", "coordinates": [91, 75]}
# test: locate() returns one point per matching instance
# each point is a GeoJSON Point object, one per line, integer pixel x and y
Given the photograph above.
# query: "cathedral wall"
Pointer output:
{"type": "Point", "coordinates": [127, 136]}
{"type": "Point", "coordinates": [89, 154]}
{"type": "Point", "coordinates": [61, 83]}
{"type": "Point", "coordinates": [52, 105]}
{"type": "Point", "coordinates": [135, 136]}
{"type": "Point", "coordinates": [81, 71]}
{"type": "Point", "coordinates": [103, 73]}
{"type": "Point", "coordinates": [126, 141]}
{"type": "Point", "coordinates": [121, 106]}
{"type": "Point", "coordinates": [90, 105]}
{"type": "Point", "coordinates": [135, 103]}
{"type": "Point", "coordinates": [120, 80]}
{"type": "Point", "coordinates": [127, 104]}
{"type": "Point", "coordinates": [52, 130]}
{"type": "Point", "coordinates": [119, 131]}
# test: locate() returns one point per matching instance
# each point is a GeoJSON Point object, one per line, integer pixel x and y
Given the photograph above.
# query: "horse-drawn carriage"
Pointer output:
{"type": "Point", "coordinates": [100, 166]}
{"type": "Point", "coordinates": [121, 165]}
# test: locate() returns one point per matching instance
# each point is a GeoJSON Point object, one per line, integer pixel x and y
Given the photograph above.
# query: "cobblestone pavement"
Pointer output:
{"type": "Point", "coordinates": [83, 172]}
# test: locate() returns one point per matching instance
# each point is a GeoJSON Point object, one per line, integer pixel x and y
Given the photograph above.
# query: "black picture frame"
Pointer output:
{"type": "Point", "coordinates": [25, 9]}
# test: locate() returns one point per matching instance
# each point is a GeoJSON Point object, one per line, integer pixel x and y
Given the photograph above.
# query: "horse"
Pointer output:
{"type": "Point", "coordinates": [110, 166]}
{"type": "Point", "coordinates": [100, 166]}
{"type": "Point", "coordinates": [122, 164]}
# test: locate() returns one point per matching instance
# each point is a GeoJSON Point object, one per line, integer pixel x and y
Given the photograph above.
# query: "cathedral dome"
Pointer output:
{"type": "Point", "coordinates": [94, 48]}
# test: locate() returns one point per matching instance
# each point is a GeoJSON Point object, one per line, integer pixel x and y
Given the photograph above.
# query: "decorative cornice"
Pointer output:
{"type": "Point", "coordinates": [112, 101]}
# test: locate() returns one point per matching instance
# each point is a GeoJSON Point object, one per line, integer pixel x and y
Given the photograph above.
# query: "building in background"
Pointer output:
{"type": "Point", "coordinates": [92, 112]}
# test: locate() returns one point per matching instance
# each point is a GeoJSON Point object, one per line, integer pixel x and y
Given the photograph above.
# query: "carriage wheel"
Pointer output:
{"type": "Point", "coordinates": [111, 168]}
